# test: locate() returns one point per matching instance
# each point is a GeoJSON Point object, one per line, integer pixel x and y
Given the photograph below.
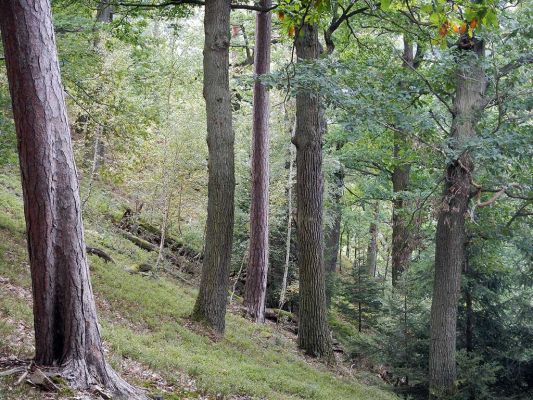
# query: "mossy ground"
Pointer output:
{"type": "Point", "coordinates": [146, 327]}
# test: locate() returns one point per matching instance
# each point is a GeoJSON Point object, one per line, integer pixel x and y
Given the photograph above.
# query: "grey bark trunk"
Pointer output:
{"type": "Point", "coordinates": [210, 305]}
{"type": "Point", "coordinates": [450, 236]}
{"type": "Point", "coordinates": [256, 275]}
{"type": "Point", "coordinates": [67, 335]}
{"type": "Point", "coordinates": [313, 331]}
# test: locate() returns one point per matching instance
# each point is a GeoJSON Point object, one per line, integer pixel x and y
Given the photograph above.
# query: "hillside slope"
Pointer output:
{"type": "Point", "coordinates": [145, 326]}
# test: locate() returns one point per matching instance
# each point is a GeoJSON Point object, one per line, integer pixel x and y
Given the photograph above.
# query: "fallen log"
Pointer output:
{"type": "Point", "coordinates": [143, 244]}
{"type": "Point", "coordinates": [99, 253]}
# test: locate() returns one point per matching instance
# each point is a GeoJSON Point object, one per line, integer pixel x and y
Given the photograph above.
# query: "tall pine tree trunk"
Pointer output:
{"type": "Point", "coordinates": [66, 328]}
{"type": "Point", "coordinates": [450, 236]}
{"type": "Point", "coordinates": [256, 275]}
{"type": "Point", "coordinates": [313, 332]}
{"type": "Point", "coordinates": [401, 238]}
{"type": "Point", "coordinates": [210, 305]}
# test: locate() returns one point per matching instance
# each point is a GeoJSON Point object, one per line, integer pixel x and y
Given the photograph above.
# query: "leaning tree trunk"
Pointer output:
{"type": "Point", "coordinates": [210, 305]}
{"type": "Point", "coordinates": [401, 236]}
{"type": "Point", "coordinates": [313, 332]}
{"type": "Point", "coordinates": [256, 274]}
{"type": "Point", "coordinates": [66, 328]}
{"type": "Point", "coordinates": [450, 237]}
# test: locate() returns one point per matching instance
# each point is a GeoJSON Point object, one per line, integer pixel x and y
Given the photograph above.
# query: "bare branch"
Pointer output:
{"type": "Point", "coordinates": [234, 6]}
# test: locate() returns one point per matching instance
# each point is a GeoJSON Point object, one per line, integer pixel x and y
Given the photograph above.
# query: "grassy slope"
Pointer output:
{"type": "Point", "coordinates": [144, 320]}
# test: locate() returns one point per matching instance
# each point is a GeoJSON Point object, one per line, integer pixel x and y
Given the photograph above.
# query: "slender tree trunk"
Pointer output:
{"type": "Point", "coordinates": [333, 233]}
{"type": "Point", "coordinates": [256, 273]}
{"type": "Point", "coordinates": [372, 253]}
{"type": "Point", "coordinates": [450, 237]}
{"type": "Point", "coordinates": [283, 291]}
{"type": "Point", "coordinates": [401, 238]}
{"type": "Point", "coordinates": [210, 305]}
{"type": "Point", "coordinates": [348, 244]}
{"type": "Point", "coordinates": [313, 331]}
{"type": "Point", "coordinates": [66, 328]}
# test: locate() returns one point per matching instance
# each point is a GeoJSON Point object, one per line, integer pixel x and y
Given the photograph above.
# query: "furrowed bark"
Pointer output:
{"type": "Point", "coordinates": [210, 305]}
{"type": "Point", "coordinates": [67, 335]}
{"type": "Point", "coordinates": [313, 332]}
{"type": "Point", "coordinates": [450, 236]}
{"type": "Point", "coordinates": [256, 274]}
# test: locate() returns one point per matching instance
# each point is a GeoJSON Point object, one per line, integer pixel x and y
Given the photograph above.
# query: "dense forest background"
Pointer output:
{"type": "Point", "coordinates": [388, 77]}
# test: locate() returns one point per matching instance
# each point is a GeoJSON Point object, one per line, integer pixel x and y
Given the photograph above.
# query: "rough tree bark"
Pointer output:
{"type": "Point", "coordinates": [256, 274]}
{"type": "Point", "coordinates": [313, 332]}
{"type": "Point", "coordinates": [67, 335]}
{"type": "Point", "coordinates": [372, 253]}
{"type": "Point", "coordinates": [450, 236]}
{"type": "Point", "coordinates": [210, 305]}
{"type": "Point", "coordinates": [401, 238]}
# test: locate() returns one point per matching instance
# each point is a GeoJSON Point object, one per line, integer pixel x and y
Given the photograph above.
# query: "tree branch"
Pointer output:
{"type": "Point", "coordinates": [235, 6]}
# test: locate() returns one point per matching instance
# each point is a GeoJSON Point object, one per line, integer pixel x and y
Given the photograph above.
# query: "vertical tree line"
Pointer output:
{"type": "Point", "coordinates": [211, 303]}
{"type": "Point", "coordinates": [256, 276]}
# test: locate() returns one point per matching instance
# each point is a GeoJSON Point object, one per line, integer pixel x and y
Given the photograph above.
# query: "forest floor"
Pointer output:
{"type": "Point", "coordinates": [148, 336]}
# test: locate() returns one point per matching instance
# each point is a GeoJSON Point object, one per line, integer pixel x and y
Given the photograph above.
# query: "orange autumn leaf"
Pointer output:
{"type": "Point", "coordinates": [292, 31]}
{"type": "Point", "coordinates": [443, 30]}
{"type": "Point", "coordinates": [473, 24]}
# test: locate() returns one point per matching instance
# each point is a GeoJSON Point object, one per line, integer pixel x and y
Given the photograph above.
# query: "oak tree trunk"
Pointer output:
{"type": "Point", "coordinates": [67, 335]}
{"type": "Point", "coordinates": [313, 332]}
{"type": "Point", "coordinates": [210, 305]}
{"type": "Point", "coordinates": [256, 274]}
{"type": "Point", "coordinates": [450, 236]}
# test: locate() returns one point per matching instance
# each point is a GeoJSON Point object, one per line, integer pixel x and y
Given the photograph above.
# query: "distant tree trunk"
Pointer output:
{"type": "Point", "coordinates": [372, 253]}
{"type": "Point", "coordinates": [313, 332]}
{"type": "Point", "coordinates": [401, 238]}
{"type": "Point", "coordinates": [283, 291]}
{"type": "Point", "coordinates": [256, 274]}
{"type": "Point", "coordinates": [210, 305]}
{"type": "Point", "coordinates": [450, 237]}
{"type": "Point", "coordinates": [104, 13]}
{"type": "Point", "coordinates": [333, 232]}
{"type": "Point", "coordinates": [348, 244]}
{"type": "Point", "coordinates": [66, 328]}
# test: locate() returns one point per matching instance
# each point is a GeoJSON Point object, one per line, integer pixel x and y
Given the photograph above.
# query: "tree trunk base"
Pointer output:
{"type": "Point", "coordinates": [82, 376]}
